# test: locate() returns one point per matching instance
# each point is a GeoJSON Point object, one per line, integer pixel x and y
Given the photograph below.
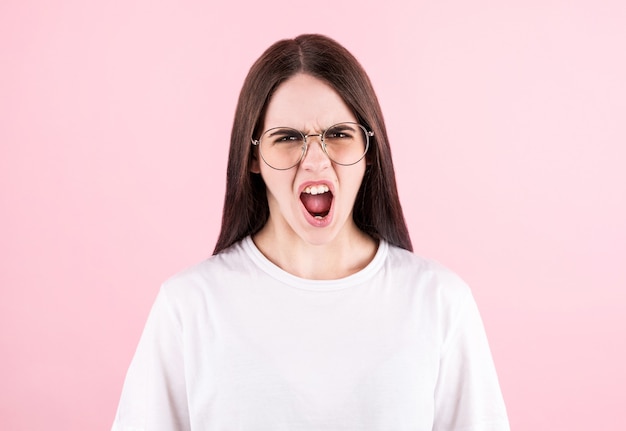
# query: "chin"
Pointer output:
{"type": "Point", "coordinates": [320, 236]}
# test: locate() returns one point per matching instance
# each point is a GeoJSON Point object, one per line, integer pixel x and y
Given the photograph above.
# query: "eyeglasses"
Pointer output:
{"type": "Point", "coordinates": [283, 148]}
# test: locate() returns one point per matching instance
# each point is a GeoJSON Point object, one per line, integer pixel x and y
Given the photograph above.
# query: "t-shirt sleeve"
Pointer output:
{"type": "Point", "coordinates": [467, 395]}
{"type": "Point", "coordinates": [154, 393]}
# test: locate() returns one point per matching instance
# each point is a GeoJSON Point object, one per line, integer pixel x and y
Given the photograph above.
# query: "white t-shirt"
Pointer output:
{"type": "Point", "coordinates": [236, 343]}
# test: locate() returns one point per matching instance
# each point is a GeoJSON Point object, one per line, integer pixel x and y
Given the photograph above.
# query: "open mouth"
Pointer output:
{"type": "Point", "coordinates": [317, 200]}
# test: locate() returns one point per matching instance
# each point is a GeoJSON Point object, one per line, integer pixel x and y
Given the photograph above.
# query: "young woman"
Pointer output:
{"type": "Point", "coordinates": [313, 313]}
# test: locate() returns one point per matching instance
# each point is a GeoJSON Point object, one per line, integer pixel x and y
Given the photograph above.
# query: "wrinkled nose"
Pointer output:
{"type": "Point", "coordinates": [315, 157]}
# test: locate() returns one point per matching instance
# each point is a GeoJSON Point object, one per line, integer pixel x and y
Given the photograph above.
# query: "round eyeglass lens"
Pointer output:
{"type": "Point", "coordinates": [282, 147]}
{"type": "Point", "coordinates": [346, 143]}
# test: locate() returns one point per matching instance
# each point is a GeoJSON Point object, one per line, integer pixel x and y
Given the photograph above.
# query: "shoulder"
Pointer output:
{"type": "Point", "coordinates": [198, 280]}
{"type": "Point", "coordinates": [431, 276]}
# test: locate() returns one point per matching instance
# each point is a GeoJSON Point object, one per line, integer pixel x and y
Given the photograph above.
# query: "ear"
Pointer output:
{"type": "Point", "coordinates": [255, 166]}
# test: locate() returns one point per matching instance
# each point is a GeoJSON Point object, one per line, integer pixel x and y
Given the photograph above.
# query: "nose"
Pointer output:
{"type": "Point", "coordinates": [315, 156]}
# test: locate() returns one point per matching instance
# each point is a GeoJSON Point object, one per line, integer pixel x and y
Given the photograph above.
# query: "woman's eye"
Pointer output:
{"type": "Point", "coordinates": [287, 139]}
{"type": "Point", "coordinates": [338, 135]}
{"type": "Point", "coordinates": [284, 137]}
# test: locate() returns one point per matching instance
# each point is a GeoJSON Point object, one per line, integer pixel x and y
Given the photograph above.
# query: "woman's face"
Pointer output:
{"type": "Point", "coordinates": [313, 201]}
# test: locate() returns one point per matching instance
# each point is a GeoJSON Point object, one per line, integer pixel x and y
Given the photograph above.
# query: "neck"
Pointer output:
{"type": "Point", "coordinates": [343, 256]}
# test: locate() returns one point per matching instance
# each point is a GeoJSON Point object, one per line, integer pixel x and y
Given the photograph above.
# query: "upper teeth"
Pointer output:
{"type": "Point", "coordinates": [316, 190]}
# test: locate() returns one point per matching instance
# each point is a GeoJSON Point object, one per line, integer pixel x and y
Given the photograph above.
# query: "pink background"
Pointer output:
{"type": "Point", "coordinates": [507, 122]}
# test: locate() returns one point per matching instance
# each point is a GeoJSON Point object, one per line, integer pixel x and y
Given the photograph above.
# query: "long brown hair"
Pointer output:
{"type": "Point", "coordinates": [377, 209]}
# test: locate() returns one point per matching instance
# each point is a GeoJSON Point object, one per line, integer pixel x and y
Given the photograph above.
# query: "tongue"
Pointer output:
{"type": "Point", "coordinates": [317, 205]}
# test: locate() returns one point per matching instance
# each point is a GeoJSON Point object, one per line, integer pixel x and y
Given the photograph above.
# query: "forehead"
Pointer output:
{"type": "Point", "coordinates": [305, 102]}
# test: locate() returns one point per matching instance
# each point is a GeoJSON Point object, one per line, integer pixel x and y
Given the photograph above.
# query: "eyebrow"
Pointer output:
{"type": "Point", "coordinates": [280, 129]}
{"type": "Point", "coordinates": [344, 125]}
